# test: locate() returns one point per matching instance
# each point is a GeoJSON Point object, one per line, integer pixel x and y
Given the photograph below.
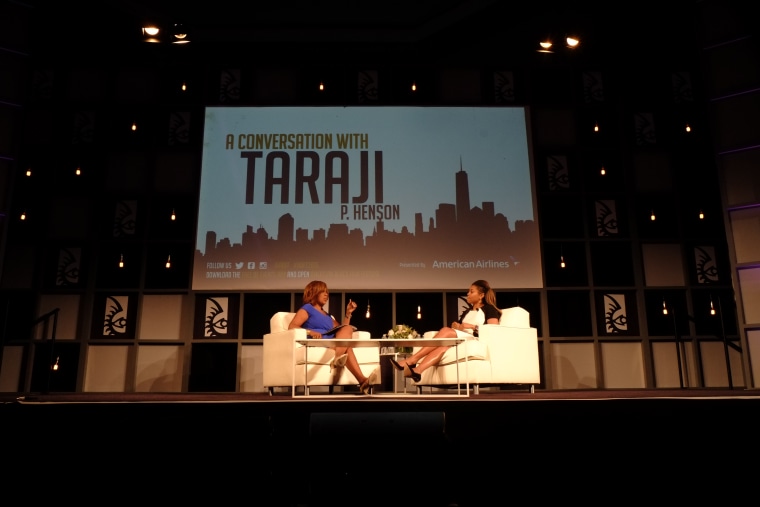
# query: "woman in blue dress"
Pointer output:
{"type": "Point", "coordinates": [319, 324]}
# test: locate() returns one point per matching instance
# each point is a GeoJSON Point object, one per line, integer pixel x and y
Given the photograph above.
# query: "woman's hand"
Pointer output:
{"type": "Point", "coordinates": [350, 307]}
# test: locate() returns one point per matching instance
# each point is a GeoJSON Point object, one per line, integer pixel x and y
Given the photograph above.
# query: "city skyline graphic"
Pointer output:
{"type": "Point", "coordinates": [459, 243]}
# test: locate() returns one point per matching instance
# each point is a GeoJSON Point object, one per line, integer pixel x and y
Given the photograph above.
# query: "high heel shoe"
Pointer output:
{"type": "Point", "coordinates": [396, 365]}
{"type": "Point", "coordinates": [366, 386]}
{"type": "Point", "coordinates": [338, 362]}
{"type": "Point", "coordinates": [410, 373]}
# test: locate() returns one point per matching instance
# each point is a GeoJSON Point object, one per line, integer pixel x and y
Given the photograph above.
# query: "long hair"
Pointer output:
{"type": "Point", "coordinates": [489, 295]}
{"type": "Point", "coordinates": [312, 290]}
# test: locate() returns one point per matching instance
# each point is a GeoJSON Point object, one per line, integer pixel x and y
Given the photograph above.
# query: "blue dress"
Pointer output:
{"type": "Point", "coordinates": [318, 321]}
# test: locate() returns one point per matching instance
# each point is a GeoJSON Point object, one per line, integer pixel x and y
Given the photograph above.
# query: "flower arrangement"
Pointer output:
{"type": "Point", "coordinates": [402, 332]}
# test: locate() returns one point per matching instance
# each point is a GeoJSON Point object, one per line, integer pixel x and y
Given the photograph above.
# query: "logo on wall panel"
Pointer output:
{"type": "Point", "coordinates": [557, 172]}
{"type": "Point", "coordinates": [179, 128]}
{"type": "Point", "coordinates": [67, 268]}
{"type": "Point", "coordinates": [229, 86]}
{"type": "Point", "coordinates": [366, 86]}
{"type": "Point", "coordinates": [682, 89]}
{"type": "Point", "coordinates": [115, 318]}
{"type": "Point", "coordinates": [707, 269]}
{"type": "Point", "coordinates": [593, 89]}
{"type": "Point", "coordinates": [645, 130]}
{"type": "Point", "coordinates": [615, 314]}
{"type": "Point", "coordinates": [215, 322]}
{"type": "Point", "coordinates": [606, 218]}
{"type": "Point", "coordinates": [503, 86]}
{"type": "Point", "coordinates": [125, 219]}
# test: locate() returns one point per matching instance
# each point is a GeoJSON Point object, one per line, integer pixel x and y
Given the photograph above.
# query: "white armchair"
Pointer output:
{"type": "Point", "coordinates": [504, 353]}
{"type": "Point", "coordinates": [280, 347]}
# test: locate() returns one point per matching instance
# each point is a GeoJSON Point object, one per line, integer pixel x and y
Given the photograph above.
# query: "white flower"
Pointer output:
{"type": "Point", "coordinates": [402, 331]}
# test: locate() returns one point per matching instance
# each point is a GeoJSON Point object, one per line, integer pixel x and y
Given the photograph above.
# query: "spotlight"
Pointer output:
{"type": "Point", "coordinates": [366, 315]}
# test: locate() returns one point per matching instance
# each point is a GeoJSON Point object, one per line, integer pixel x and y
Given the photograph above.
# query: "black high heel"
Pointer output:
{"type": "Point", "coordinates": [396, 365]}
{"type": "Point", "coordinates": [410, 373]}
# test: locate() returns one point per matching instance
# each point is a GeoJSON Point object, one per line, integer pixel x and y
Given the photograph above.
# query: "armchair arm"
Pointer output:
{"type": "Point", "coordinates": [513, 352]}
{"type": "Point", "coordinates": [277, 356]}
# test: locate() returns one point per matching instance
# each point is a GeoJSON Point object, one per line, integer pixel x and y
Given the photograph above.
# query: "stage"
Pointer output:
{"type": "Point", "coordinates": [494, 448]}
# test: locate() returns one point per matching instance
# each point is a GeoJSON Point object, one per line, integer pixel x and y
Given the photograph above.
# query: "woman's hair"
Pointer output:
{"type": "Point", "coordinates": [485, 288]}
{"type": "Point", "coordinates": [312, 290]}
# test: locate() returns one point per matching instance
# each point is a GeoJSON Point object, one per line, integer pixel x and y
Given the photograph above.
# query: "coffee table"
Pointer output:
{"type": "Point", "coordinates": [382, 342]}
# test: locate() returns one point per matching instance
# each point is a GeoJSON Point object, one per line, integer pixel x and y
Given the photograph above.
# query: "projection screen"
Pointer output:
{"type": "Point", "coordinates": [375, 198]}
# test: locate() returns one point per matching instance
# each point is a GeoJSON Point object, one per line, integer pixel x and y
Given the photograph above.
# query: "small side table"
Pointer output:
{"type": "Point", "coordinates": [399, 381]}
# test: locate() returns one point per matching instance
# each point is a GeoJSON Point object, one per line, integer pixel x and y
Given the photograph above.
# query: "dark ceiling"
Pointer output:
{"type": "Point", "coordinates": [472, 32]}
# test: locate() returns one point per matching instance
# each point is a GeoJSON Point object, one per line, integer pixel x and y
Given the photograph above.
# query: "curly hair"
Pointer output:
{"type": "Point", "coordinates": [312, 291]}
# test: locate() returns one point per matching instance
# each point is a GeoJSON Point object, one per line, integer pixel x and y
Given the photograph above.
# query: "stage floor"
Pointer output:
{"type": "Point", "coordinates": [499, 447]}
{"type": "Point", "coordinates": [485, 395]}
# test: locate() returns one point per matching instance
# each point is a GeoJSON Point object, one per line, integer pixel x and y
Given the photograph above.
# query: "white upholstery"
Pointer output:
{"type": "Point", "coordinates": [280, 347]}
{"type": "Point", "coordinates": [504, 353]}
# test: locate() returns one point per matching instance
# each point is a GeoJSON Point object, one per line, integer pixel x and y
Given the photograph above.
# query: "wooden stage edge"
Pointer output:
{"type": "Point", "coordinates": [285, 397]}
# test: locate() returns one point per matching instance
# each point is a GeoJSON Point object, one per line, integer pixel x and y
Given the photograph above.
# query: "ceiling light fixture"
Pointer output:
{"type": "Point", "coordinates": [545, 46]}
{"type": "Point", "coordinates": [179, 35]}
{"type": "Point", "coordinates": [150, 33]}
